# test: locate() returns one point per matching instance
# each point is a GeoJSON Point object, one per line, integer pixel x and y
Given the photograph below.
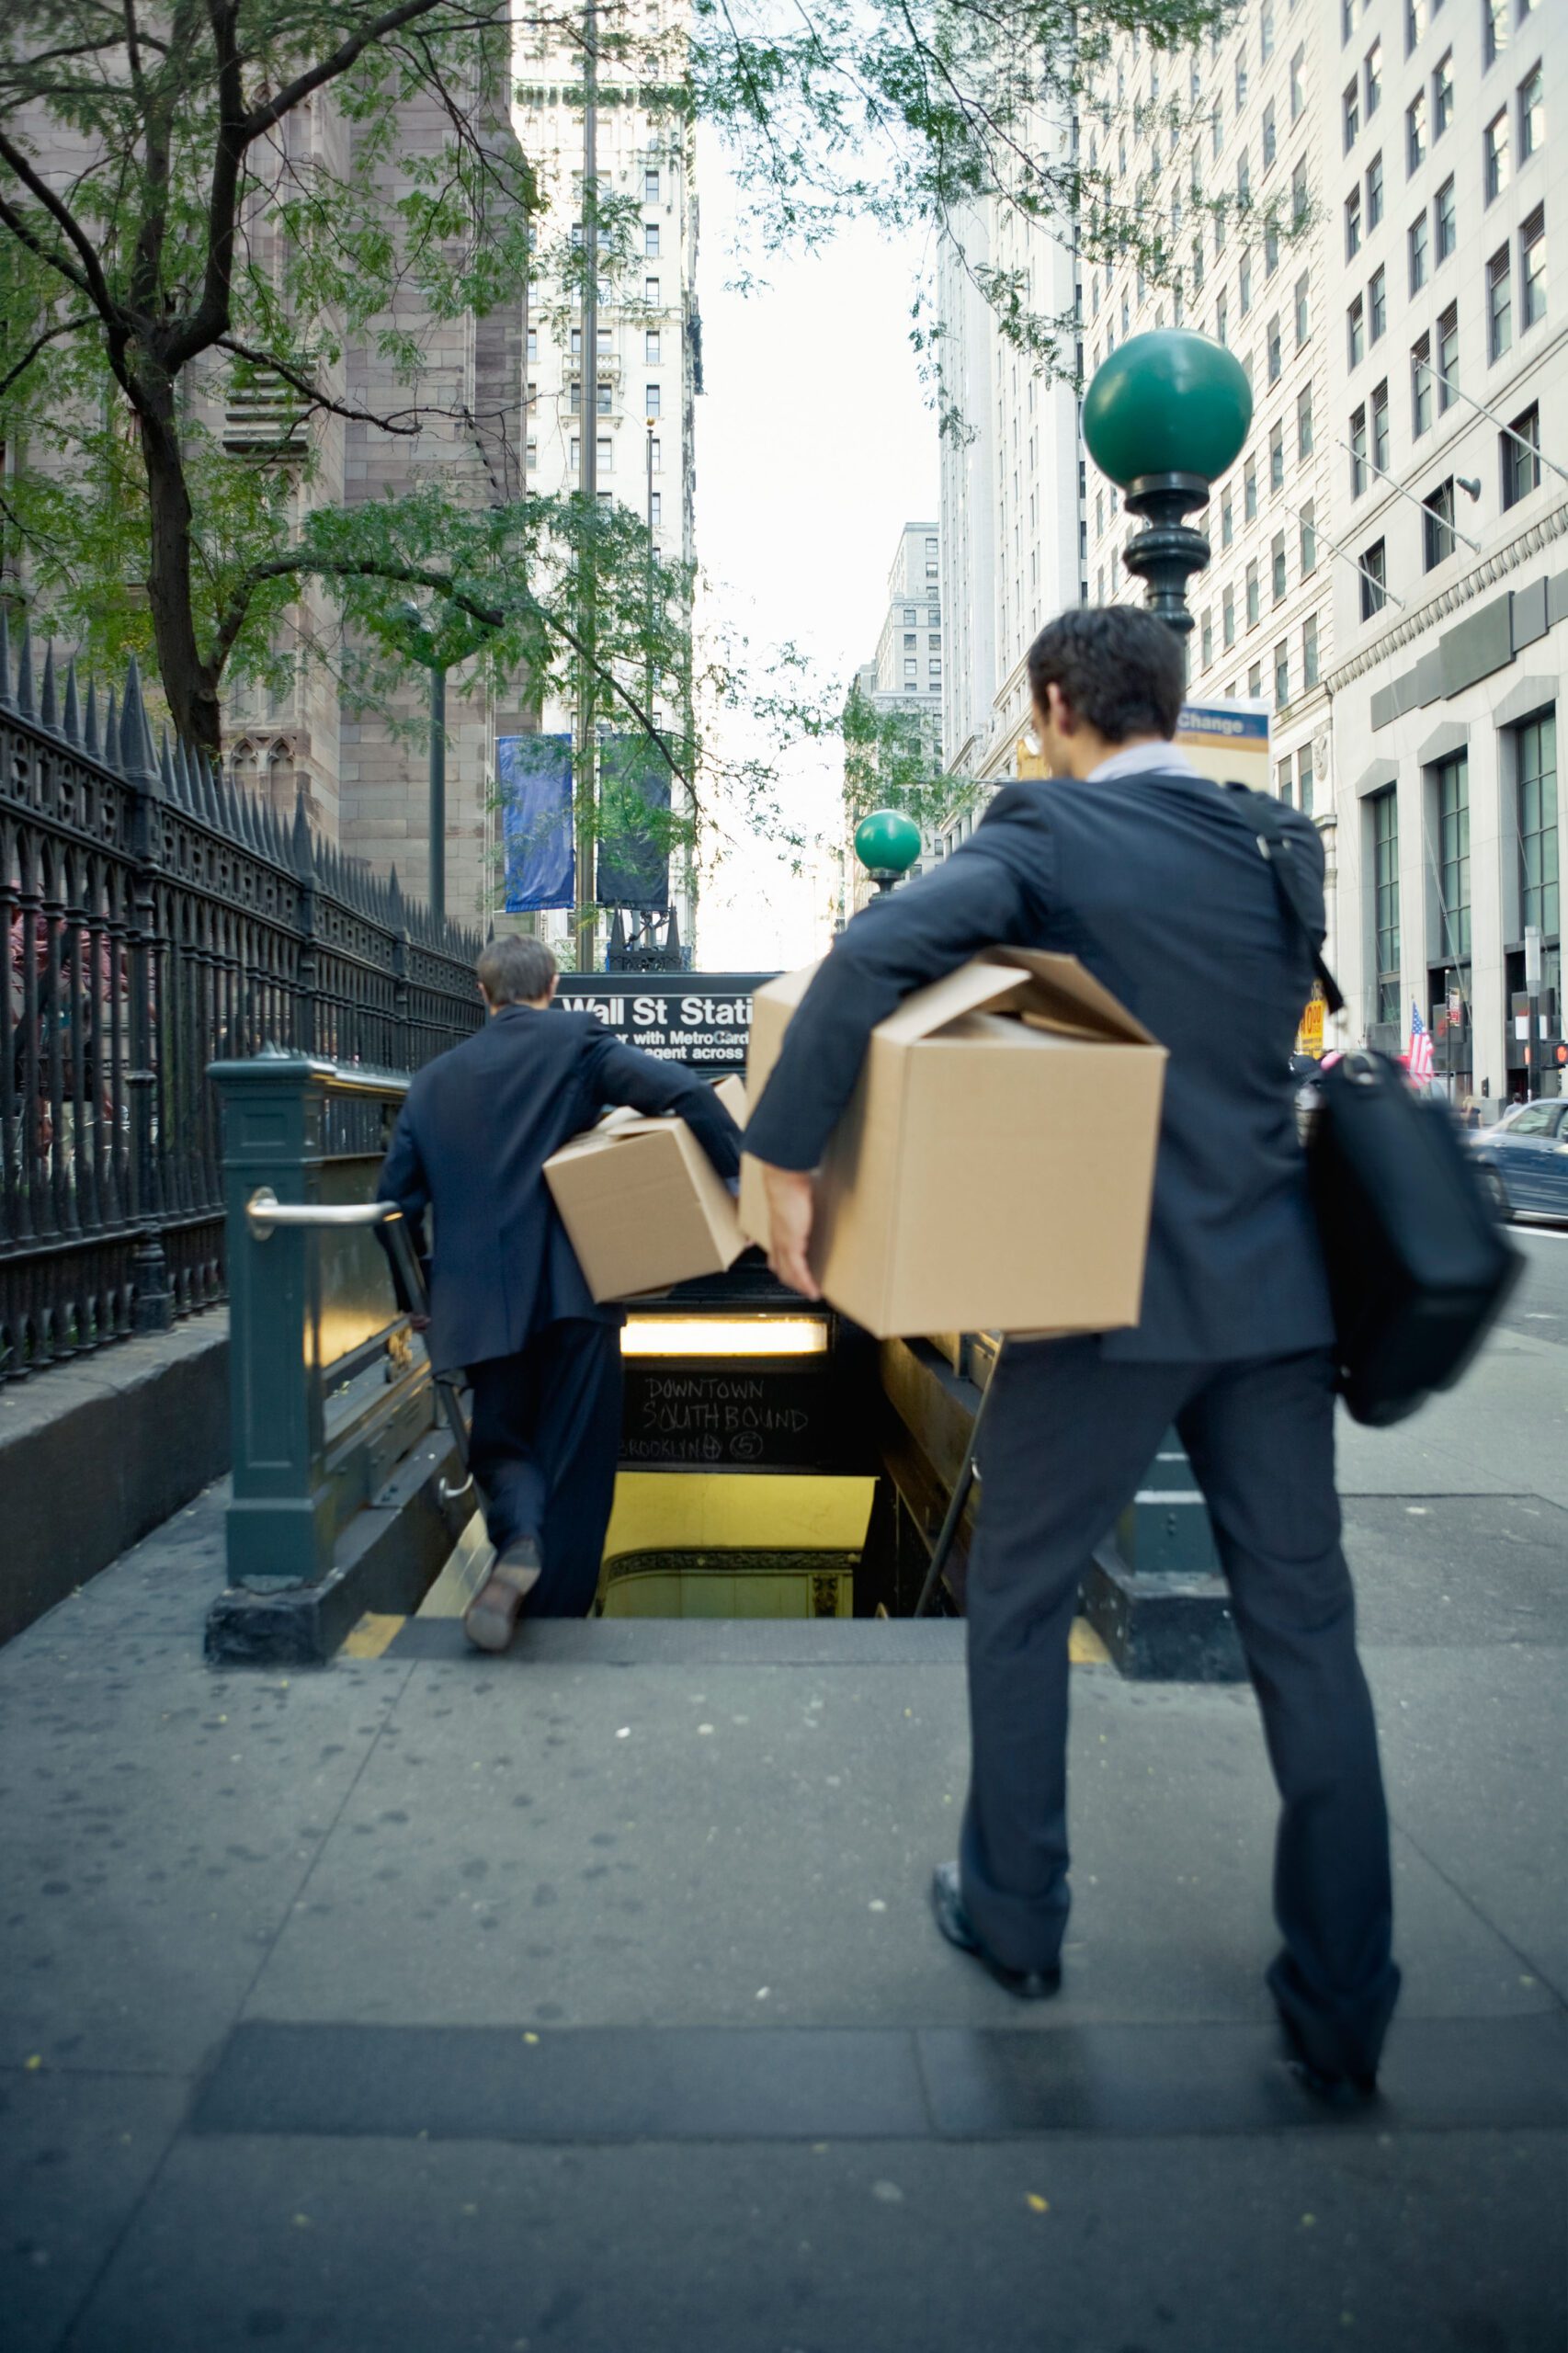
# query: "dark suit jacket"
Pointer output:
{"type": "Point", "coordinates": [476, 1128]}
{"type": "Point", "coordinates": [1157, 883]}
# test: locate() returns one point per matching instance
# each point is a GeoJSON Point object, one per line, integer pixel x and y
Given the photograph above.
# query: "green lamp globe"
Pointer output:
{"type": "Point", "coordinates": [1169, 402]}
{"type": "Point", "coordinates": [887, 842]}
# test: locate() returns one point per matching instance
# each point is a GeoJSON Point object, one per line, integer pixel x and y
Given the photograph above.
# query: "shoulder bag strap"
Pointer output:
{"type": "Point", "coordinates": [1275, 847]}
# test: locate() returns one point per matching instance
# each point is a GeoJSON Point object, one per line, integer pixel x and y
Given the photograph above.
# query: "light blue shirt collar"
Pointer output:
{"type": "Point", "coordinates": [1142, 759]}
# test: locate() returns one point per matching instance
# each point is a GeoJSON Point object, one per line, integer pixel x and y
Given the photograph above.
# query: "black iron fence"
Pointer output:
{"type": "Point", "coordinates": [154, 917]}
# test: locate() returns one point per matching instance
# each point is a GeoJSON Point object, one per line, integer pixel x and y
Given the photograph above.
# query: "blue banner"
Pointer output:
{"type": "Point", "coordinates": [535, 777]}
{"type": "Point", "coordinates": [634, 824]}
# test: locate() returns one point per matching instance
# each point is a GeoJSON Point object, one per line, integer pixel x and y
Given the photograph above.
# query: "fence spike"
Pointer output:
{"type": "Point", "coordinates": [90, 721]}
{"type": "Point", "coordinates": [184, 772]}
{"type": "Point", "coordinates": [304, 861]}
{"type": "Point", "coordinates": [71, 722]}
{"type": "Point", "coordinates": [109, 750]}
{"type": "Point", "coordinates": [48, 710]}
{"type": "Point", "coordinates": [136, 761]}
{"type": "Point", "coordinates": [166, 762]}
{"type": "Point", "coordinates": [394, 900]}
{"type": "Point", "coordinates": [24, 700]}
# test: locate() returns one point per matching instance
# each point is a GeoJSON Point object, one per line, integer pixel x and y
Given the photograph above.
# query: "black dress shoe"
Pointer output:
{"type": "Point", "coordinates": [947, 1903]}
{"type": "Point", "coordinates": [1322, 2083]}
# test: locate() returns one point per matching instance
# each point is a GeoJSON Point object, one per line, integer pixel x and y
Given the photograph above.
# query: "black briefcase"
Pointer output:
{"type": "Point", "coordinates": [1419, 1266]}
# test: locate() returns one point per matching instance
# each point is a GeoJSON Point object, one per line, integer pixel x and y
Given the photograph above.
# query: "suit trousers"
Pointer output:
{"type": "Point", "coordinates": [1066, 1439]}
{"type": "Point", "coordinates": [543, 1447]}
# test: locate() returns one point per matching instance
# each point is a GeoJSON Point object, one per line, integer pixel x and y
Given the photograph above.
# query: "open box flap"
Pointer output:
{"type": "Point", "coordinates": [977, 987]}
{"type": "Point", "coordinates": [1061, 994]}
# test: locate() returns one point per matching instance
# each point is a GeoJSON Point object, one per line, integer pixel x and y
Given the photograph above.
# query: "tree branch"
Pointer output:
{"type": "Point", "coordinates": [89, 279]}
{"type": "Point", "coordinates": [312, 393]}
{"type": "Point", "coordinates": [49, 335]}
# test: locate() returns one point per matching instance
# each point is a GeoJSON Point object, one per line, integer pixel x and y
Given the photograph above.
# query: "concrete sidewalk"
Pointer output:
{"type": "Point", "coordinates": [588, 1997]}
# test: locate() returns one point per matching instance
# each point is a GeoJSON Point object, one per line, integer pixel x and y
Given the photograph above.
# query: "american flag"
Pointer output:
{"type": "Point", "coordinates": [1420, 1058]}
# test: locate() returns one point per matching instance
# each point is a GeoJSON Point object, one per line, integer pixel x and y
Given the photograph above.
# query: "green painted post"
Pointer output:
{"type": "Point", "coordinates": [281, 1520]}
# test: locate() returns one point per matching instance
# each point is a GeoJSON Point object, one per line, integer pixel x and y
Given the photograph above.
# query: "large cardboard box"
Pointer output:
{"type": "Point", "coordinates": [643, 1203]}
{"type": "Point", "coordinates": [995, 1168]}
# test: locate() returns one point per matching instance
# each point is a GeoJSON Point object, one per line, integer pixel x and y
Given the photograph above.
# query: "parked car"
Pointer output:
{"type": "Point", "coordinates": [1525, 1159]}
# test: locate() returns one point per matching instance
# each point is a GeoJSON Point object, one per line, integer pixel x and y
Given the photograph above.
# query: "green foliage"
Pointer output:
{"type": "Point", "coordinates": [891, 760]}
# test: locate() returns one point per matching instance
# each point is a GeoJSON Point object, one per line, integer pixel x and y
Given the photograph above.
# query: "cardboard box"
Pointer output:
{"type": "Point", "coordinates": [994, 1168]}
{"type": "Point", "coordinates": [643, 1203]}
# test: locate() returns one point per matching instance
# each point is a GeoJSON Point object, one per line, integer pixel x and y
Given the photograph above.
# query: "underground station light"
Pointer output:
{"type": "Point", "coordinates": [724, 1336]}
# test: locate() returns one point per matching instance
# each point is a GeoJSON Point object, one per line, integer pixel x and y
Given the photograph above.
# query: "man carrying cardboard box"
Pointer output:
{"type": "Point", "coordinates": [1152, 877]}
{"type": "Point", "coordinates": [508, 1300]}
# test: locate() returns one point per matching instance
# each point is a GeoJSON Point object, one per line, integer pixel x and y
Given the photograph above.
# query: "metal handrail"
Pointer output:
{"type": "Point", "coordinates": [265, 1211]}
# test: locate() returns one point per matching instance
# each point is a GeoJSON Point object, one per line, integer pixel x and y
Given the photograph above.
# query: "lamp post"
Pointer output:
{"type": "Point", "coordinates": [425, 654]}
{"type": "Point", "coordinates": [887, 844]}
{"type": "Point", "coordinates": [1162, 418]}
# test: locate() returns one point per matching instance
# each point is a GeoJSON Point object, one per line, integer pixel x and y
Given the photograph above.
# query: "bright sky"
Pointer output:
{"type": "Point", "coordinates": [814, 446]}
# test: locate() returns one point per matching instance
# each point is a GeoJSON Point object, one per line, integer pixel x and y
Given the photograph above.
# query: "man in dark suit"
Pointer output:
{"type": "Point", "coordinates": [508, 1300]}
{"type": "Point", "coordinates": [1153, 877]}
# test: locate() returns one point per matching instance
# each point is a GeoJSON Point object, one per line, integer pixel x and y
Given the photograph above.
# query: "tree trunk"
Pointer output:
{"type": "Point", "coordinates": [189, 684]}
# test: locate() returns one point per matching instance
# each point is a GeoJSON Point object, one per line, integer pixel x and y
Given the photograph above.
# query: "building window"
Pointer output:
{"type": "Point", "coordinates": [1536, 759]}
{"type": "Point", "coordinates": [1198, 264]}
{"type": "Point", "coordinates": [1243, 283]}
{"type": "Point", "coordinates": [533, 343]}
{"type": "Point", "coordinates": [1532, 115]}
{"type": "Point", "coordinates": [1448, 357]}
{"type": "Point", "coordinates": [1254, 682]}
{"type": "Point", "coordinates": [1415, 133]}
{"type": "Point", "coordinates": [1356, 331]}
{"type": "Point", "coordinates": [1240, 83]}
{"type": "Point", "coordinates": [1300, 202]}
{"type": "Point", "coordinates": [1381, 426]}
{"type": "Point", "coordinates": [1298, 84]}
{"type": "Point", "coordinates": [604, 446]}
{"type": "Point", "coordinates": [575, 454]}
{"type": "Point", "coordinates": [1357, 451]}
{"type": "Point", "coordinates": [1451, 782]}
{"type": "Point", "coordinates": [930, 559]}
{"type": "Point", "coordinates": [1494, 29]}
{"type": "Point", "coordinates": [1532, 267]}
{"type": "Point", "coordinates": [1282, 674]}
{"type": "Point", "coordinates": [651, 399]}
{"type": "Point", "coordinates": [1385, 904]}
{"type": "Point", "coordinates": [1374, 193]}
{"type": "Point", "coordinates": [1303, 309]}
{"type": "Point", "coordinates": [1244, 179]}
{"type": "Point", "coordinates": [1304, 768]}
{"type": "Point", "coordinates": [655, 507]}
{"type": "Point", "coordinates": [1249, 490]}
{"type": "Point", "coordinates": [1419, 247]}
{"type": "Point", "coordinates": [1352, 106]}
{"type": "Point", "coordinates": [1499, 305]}
{"type": "Point", "coordinates": [1265, 31]}
{"type": "Point", "coordinates": [1496, 155]}
{"type": "Point", "coordinates": [1447, 230]}
{"type": "Point", "coordinates": [650, 240]}
{"type": "Point", "coordinates": [1276, 350]}
{"type": "Point", "coordinates": [1420, 385]}
{"type": "Point", "coordinates": [1415, 23]}
{"type": "Point", "coordinates": [911, 640]}
{"type": "Point", "coordinates": [1374, 579]}
{"type": "Point", "coordinates": [651, 185]}
{"type": "Point", "coordinates": [1310, 651]}
{"type": "Point", "coordinates": [1442, 95]}
{"type": "Point", "coordinates": [1308, 540]}
{"type": "Point", "coordinates": [1378, 303]}
{"type": "Point", "coordinates": [1520, 448]}
{"type": "Point", "coordinates": [1277, 457]}
{"type": "Point", "coordinates": [1227, 519]}
{"type": "Point", "coordinates": [911, 669]}
{"type": "Point", "coordinates": [1282, 780]}
{"type": "Point", "coordinates": [1255, 606]}
{"type": "Point", "coordinates": [911, 615]}
{"type": "Point", "coordinates": [1373, 78]}
{"type": "Point", "coordinates": [1207, 638]}
{"type": "Point", "coordinates": [1353, 223]}
{"type": "Point", "coordinates": [1276, 561]}
{"type": "Point", "coordinates": [656, 454]}
{"type": "Point", "coordinates": [530, 455]}
{"type": "Point", "coordinates": [1222, 320]}
{"type": "Point", "coordinates": [1437, 540]}
{"type": "Point", "coordinates": [1216, 130]}
{"type": "Point", "coordinates": [1270, 248]}
{"type": "Point", "coordinates": [1304, 422]}
{"type": "Point", "coordinates": [651, 351]}
{"type": "Point", "coordinates": [1270, 138]}
{"type": "Point", "coordinates": [1228, 616]}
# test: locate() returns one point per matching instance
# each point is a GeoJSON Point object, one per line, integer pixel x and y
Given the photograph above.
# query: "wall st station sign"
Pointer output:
{"type": "Point", "coordinates": [700, 1019]}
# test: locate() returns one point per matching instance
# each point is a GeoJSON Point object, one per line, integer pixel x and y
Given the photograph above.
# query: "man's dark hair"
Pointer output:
{"type": "Point", "coordinates": [514, 970]}
{"type": "Point", "coordinates": [1122, 670]}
